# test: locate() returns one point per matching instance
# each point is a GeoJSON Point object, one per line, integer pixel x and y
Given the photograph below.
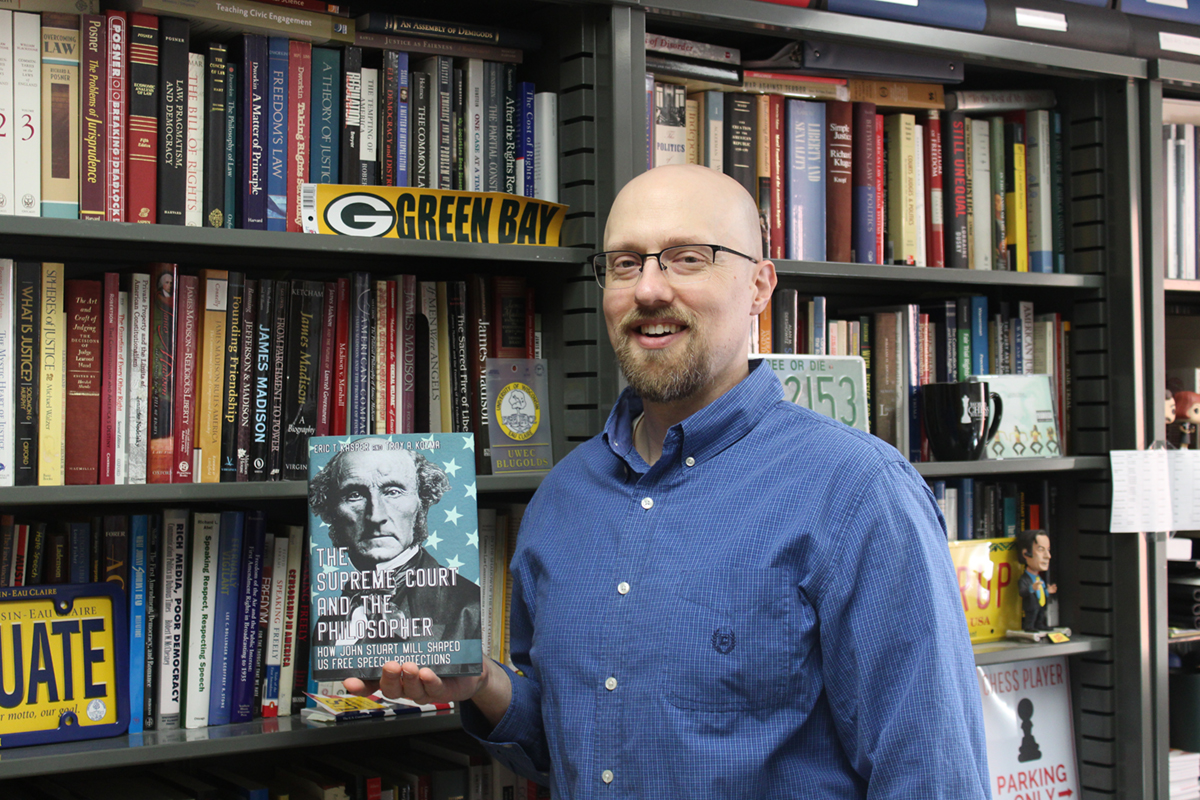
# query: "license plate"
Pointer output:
{"type": "Point", "coordinates": [831, 385]}
{"type": "Point", "coordinates": [63, 663]}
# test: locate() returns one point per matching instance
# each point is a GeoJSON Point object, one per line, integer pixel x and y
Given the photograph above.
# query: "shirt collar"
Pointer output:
{"type": "Point", "coordinates": [707, 432]}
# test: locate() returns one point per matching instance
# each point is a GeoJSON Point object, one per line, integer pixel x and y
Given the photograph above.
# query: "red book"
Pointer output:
{"type": "Point", "coordinates": [393, 419]}
{"type": "Point", "coordinates": [778, 187]}
{"type": "Point", "coordinates": [246, 376]}
{"type": "Point", "coordinates": [83, 384]}
{"type": "Point", "coordinates": [186, 345]}
{"type": "Point", "coordinates": [838, 194]}
{"type": "Point", "coordinates": [880, 191]}
{"type": "Point", "coordinates": [341, 364]}
{"type": "Point", "coordinates": [108, 398]}
{"type": "Point", "coordinates": [328, 351]}
{"type": "Point", "coordinates": [94, 81]}
{"type": "Point", "coordinates": [117, 116]}
{"type": "Point", "coordinates": [408, 360]}
{"type": "Point", "coordinates": [143, 119]}
{"type": "Point", "coordinates": [530, 324]}
{"type": "Point", "coordinates": [20, 543]}
{"type": "Point", "coordinates": [299, 79]}
{"type": "Point", "coordinates": [935, 250]}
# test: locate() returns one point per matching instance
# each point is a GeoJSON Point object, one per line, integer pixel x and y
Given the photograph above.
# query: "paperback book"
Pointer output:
{"type": "Point", "coordinates": [395, 559]}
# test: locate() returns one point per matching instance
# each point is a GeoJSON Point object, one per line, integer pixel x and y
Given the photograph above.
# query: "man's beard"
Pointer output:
{"type": "Point", "coordinates": [661, 377]}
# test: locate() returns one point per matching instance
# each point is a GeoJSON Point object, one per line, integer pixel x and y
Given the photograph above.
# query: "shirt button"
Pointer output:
{"type": "Point", "coordinates": [623, 588]}
{"type": "Point", "coordinates": [606, 776]}
{"type": "Point", "coordinates": [691, 462]}
{"type": "Point", "coordinates": [610, 684]}
{"type": "Point", "coordinates": [647, 503]}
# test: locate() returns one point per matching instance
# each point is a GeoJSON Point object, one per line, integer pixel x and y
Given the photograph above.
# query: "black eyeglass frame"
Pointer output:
{"type": "Point", "coordinates": [716, 248]}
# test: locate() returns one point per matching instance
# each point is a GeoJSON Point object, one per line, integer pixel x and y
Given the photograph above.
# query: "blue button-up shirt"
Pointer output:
{"type": "Point", "coordinates": [769, 611]}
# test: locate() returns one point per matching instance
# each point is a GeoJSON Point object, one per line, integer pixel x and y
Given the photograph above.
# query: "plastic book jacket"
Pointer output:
{"type": "Point", "coordinates": [394, 554]}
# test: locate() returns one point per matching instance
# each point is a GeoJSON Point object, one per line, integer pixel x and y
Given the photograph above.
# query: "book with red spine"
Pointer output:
{"type": "Point", "coordinates": [880, 192]}
{"type": "Point", "coordinates": [246, 376]}
{"type": "Point", "coordinates": [838, 195]}
{"type": "Point", "coordinates": [778, 241]}
{"type": "Point", "coordinates": [957, 254]}
{"type": "Point", "coordinates": [83, 382]}
{"type": "Point", "coordinates": [186, 350]}
{"type": "Point", "coordinates": [109, 397]}
{"type": "Point", "coordinates": [392, 371]}
{"type": "Point", "coordinates": [117, 115]}
{"type": "Point", "coordinates": [93, 68]}
{"type": "Point", "coordinates": [408, 353]}
{"type": "Point", "coordinates": [935, 251]}
{"type": "Point", "coordinates": [379, 357]}
{"type": "Point", "coordinates": [16, 576]}
{"type": "Point", "coordinates": [299, 81]}
{"type": "Point", "coordinates": [341, 368]}
{"type": "Point", "coordinates": [328, 355]}
{"type": "Point", "coordinates": [162, 373]}
{"type": "Point", "coordinates": [142, 142]}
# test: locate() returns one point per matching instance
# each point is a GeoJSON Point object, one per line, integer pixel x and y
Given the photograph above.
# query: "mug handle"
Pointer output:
{"type": "Point", "coordinates": [995, 426]}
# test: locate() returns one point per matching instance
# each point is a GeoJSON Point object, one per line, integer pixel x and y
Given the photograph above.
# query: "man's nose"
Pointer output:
{"type": "Point", "coordinates": [375, 507]}
{"type": "Point", "coordinates": [652, 288]}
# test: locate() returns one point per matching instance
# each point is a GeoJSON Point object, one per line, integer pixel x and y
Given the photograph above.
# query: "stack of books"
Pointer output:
{"type": "Point", "coordinates": [1184, 774]}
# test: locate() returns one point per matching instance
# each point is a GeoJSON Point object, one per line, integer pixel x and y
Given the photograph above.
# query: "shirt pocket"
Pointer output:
{"type": "Point", "coordinates": [730, 639]}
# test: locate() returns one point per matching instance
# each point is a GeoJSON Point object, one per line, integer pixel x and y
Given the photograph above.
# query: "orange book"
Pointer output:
{"type": "Point", "coordinates": [210, 374]}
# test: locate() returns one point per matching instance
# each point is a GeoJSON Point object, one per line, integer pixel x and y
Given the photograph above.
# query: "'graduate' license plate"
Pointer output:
{"type": "Point", "coordinates": [63, 663]}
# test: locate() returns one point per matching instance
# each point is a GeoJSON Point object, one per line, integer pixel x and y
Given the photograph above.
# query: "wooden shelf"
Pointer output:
{"type": "Point", "coordinates": [207, 492]}
{"type": "Point", "coordinates": [245, 737]}
{"type": "Point", "coordinates": [1005, 651]}
{"type": "Point", "coordinates": [1010, 466]}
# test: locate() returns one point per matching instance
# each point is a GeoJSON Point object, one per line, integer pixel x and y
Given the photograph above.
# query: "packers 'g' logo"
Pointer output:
{"type": "Point", "coordinates": [360, 214]}
{"type": "Point", "coordinates": [518, 411]}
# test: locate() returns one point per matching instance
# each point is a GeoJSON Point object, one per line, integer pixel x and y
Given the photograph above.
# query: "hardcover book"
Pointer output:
{"type": "Point", "coordinates": [60, 116]}
{"type": "Point", "coordinates": [402, 584]}
{"type": "Point", "coordinates": [172, 120]}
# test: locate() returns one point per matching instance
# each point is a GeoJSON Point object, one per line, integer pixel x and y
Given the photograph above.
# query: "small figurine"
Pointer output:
{"type": "Point", "coordinates": [1187, 416]}
{"type": "Point", "coordinates": [1035, 444]}
{"type": "Point", "coordinates": [1169, 405]}
{"type": "Point", "coordinates": [1033, 548]}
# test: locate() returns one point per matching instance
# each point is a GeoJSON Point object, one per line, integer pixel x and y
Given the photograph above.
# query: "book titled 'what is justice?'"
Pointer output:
{"type": "Point", "coordinates": [395, 554]}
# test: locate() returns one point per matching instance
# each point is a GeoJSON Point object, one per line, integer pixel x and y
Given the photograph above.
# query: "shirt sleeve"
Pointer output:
{"type": "Point", "coordinates": [519, 740]}
{"type": "Point", "coordinates": [897, 659]}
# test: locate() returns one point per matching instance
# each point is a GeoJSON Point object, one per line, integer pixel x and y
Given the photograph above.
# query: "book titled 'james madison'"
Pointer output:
{"type": "Point", "coordinates": [395, 558]}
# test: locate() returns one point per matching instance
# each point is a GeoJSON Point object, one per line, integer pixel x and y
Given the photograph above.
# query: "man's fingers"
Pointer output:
{"type": "Point", "coordinates": [359, 686]}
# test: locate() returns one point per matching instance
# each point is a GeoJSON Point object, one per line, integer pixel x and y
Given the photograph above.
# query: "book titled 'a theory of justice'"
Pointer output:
{"type": "Point", "coordinates": [394, 554]}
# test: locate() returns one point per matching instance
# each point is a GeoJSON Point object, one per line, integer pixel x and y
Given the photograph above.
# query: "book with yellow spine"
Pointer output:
{"type": "Point", "coordinates": [1015, 201]}
{"type": "Point", "coordinates": [210, 384]}
{"type": "Point", "coordinates": [902, 187]}
{"type": "Point", "coordinates": [52, 395]}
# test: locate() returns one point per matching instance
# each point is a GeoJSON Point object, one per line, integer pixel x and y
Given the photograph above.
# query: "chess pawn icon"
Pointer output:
{"type": "Point", "coordinates": [966, 415]}
{"type": "Point", "coordinates": [1029, 750]}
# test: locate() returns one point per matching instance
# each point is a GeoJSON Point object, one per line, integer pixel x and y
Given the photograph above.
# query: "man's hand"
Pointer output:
{"type": "Point", "coordinates": [491, 692]}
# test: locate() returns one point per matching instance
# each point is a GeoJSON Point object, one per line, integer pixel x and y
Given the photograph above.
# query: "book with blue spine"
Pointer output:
{"type": "Point", "coordinates": [326, 124]}
{"type": "Point", "coordinates": [277, 133]}
{"type": "Point", "coordinates": [805, 140]}
{"type": "Point", "coordinates": [138, 527]}
{"type": "Point", "coordinates": [245, 661]}
{"type": "Point", "coordinates": [394, 566]}
{"type": "Point", "coordinates": [1039, 191]}
{"type": "Point", "coordinates": [862, 218]}
{"type": "Point", "coordinates": [1173, 10]}
{"type": "Point", "coordinates": [525, 92]}
{"type": "Point", "coordinates": [979, 335]}
{"type": "Point", "coordinates": [968, 15]}
{"type": "Point", "coordinates": [253, 152]}
{"type": "Point", "coordinates": [402, 117]}
{"type": "Point", "coordinates": [1058, 219]}
{"type": "Point", "coordinates": [966, 508]}
{"type": "Point", "coordinates": [817, 326]}
{"type": "Point", "coordinates": [225, 616]}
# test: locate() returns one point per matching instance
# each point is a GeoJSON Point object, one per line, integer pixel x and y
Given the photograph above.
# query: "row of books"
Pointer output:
{"type": "Point", "coordinates": [166, 377]}
{"type": "Point", "coordinates": [1181, 212]}
{"type": "Point", "coordinates": [125, 123]}
{"type": "Point", "coordinates": [840, 181]}
{"type": "Point", "coordinates": [907, 346]}
{"type": "Point", "coordinates": [977, 509]}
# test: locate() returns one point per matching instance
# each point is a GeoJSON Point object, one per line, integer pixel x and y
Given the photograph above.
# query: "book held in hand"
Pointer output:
{"type": "Point", "coordinates": [395, 559]}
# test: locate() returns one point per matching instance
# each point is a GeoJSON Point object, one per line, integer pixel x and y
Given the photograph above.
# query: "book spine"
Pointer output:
{"type": "Point", "coordinates": [261, 393]}
{"type": "Point", "coordinates": [805, 180]}
{"type": "Point", "coordinates": [78, 548]}
{"type": "Point", "coordinates": [303, 609]}
{"type": "Point", "coordinates": [280, 331]}
{"type": "Point", "coordinates": [111, 295]}
{"type": "Point", "coordinates": [1015, 198]}
{"type": "Point", "coordinates": [154, 546]}
{"type": "Point", "coordinates": [231, 367]}
{"type": "Point", "coordinates": [299, 134]}
{"type": "Point", "coordinates": [225, 615]}
{"type": "Point", "coordinates": [529, 157]}
{"type": "Point", "coordinates": [172, 619]}
{"type": "Point", "coordinates": [998, 204]}
{"type": "Point", "coordinates": [479, 319]}
{"type": "Point", "coordinates": [200, 605]}
{"type": "Point", "coordinates": [7, 120]}
{"type": "Point", "coordinates": [94, 69]}
{"type": "Point", "coordinates": [245, 662]}
{"type": "Point", "coordinates": [324, 388]}
{"type": "Point", "coordinates": [979, 335]}
{"type": "Point", "coordinates": [277, 133]}
{"type": "Point", "coordinates": [122, 398]}
{"type": "Point", "coordinates": [83, 378]}
{"type": "Point", "coordinates": [340, 415]}
{"type": "Point", "coordinates": [359, 371]}
{"type": "Point", "coordinates": [137, 619]}
{"type": "Point", "coordinates": [7, 542]}
{"type": "Point", "coordinates": [921, 194]}
{"type": "Point", "coordinates": [419, 169]}
{"type": "Point", "coordinates": [379, 388]}
{"type": "Point", "coordinates": [407, 355]}
{"type": "Point", "coordinates": [738, 139]}
{"type": "Point", "coordinates": [142, 177]}
{"type": "Point", "coordinates": [231, 213]}
{"type": "Point", "coordinates": [1058, 194]}
{"type": "Point", "coordinates": [211, 371]}
{"type": "Point", "coordinates": [902, 188]}
{"type": "Point", "coordinates": [1039, 192]}
{"type": "Point", "coordinates": [445, 365]}
{"type": "Point", "coordinates": [116, 116]}
{"type": "Point", "coordinates": [215, 87]}
{"type": "Point", "coordinates": [291, 607]}
{"type": "Point", "coordinates": [510, 117]}
{"type": "Point", "coordinates": [326, 115]}
{"type": "Point", "coordinates": [8, 308]}
{"type": "Point", "coordinates": [882, 243]}
{"type": "Point", "coordinates": [194, 174]}
{"type": "Point", "coordinates": [429, 312]}
{"type": "Point", "coordinates": [254, 107]}
{"type": "Point", "coordinates": [303, 364]}
{"type": "Point", "coordinates": [186, 341]}
{"type": "Point", "coordinates": [984, 250]}
{"type": "Point", "coordinates": [138, 406]}
{"type": "Point", "coordinates": [27, 114]}
{"type": "Point", "coordinates": [368, 127]}
{"type": "Point", "coordinates": [935, 249]}
{"type": "Point", "coordinates": [172, 120]}
{"type": "Point", "coordinates": [493, 145]}
{"type": "Point", "coordinates": [247, 388]}
{"type": "Point", "coordinates": [839, 170]}
{"type": "Point", "coordinates": [390, 373]}
{"type": "Point", "coordinates": [456, 304]}
{"type": "Point", "coordinates": [272, 674]}
{"type": "Point", "coordinates": [51, 398]}
{"type": "Point", "coordinates": [60, 113]}
{"type": "Point", "coordinates": [443, 83]}
{"type": "Point", "coordinates": [862, 217]}
{"type": "Point", "coordinates": [475, 108]}
{"type": "Point", "coordinates": [403, 117]}
{"type": "Point", "coordinates": [389, 91]}
{"type": "Point", "coordinates": [351, 109]}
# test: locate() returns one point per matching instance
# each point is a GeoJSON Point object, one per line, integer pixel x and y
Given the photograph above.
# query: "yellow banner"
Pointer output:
{"type": "Point", "coordinates": [429, 214]}
{"type": "Point", "coordinates": [987, 585]}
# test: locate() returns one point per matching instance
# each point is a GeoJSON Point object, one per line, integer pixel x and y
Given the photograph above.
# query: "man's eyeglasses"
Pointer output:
{"type": "Point", "coordinates": [686, 263]}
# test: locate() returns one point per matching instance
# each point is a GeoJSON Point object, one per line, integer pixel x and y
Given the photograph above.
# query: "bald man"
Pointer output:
{"type": "Point", "coordinates": [722, 595]}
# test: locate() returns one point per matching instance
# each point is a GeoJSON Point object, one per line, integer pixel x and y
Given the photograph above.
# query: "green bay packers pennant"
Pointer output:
{"type": "Point", "coordinates": [430, 215]}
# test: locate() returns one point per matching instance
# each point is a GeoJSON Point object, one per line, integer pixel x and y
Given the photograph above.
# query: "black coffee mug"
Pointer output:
{"type": "Point", "coordinates": [957, 419]}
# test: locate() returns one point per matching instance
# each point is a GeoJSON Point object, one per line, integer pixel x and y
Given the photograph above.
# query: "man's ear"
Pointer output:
{"type": "Point", "coordinates": [763, 281]}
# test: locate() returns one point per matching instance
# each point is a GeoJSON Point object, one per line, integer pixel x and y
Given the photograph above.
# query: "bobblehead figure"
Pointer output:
{"type": "Point", "coordinates": [1033, 546]}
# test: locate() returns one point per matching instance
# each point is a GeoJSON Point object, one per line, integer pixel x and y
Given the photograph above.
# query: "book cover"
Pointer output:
{"type": "Point", "coordinates": [245, 659]}
{"type": "Point", "coordinates": [116, 115]}
{"type": "Point", "coordinates": [27, 114]}
{"type": "Point", "coordinates": [427, 609]}
{"type": "Point", "coordinates": [201, 599]}
{"type": "Point", "coordinates": [738, 158]}
{"type": "Point", "coordinates": [247, 370]}
{"type": "Point", "coordinates": [60, 115]}
{"type": "Point", "coordinates": [1000, 218]}
{"type": "Point", "coordinates": [1015, 196]}
{"type": "Point", "coordinates": [137, 423]}
{"type": "Point", "coordinates": [226, 594]}
{"type": "Point", "coordinates": [279, 335]}
{"type": "Point", "coordinates": [326, 122]}
{"type": "Point", "coordinates": [216, 80]}
{"type": "Point", "coordinates": [84, 379]}
{"type": "Point", "coordinates": [94, 102]}
{"type": "Point", "coordinates": [194, 173]}
{"type": "Point", "coordinates": [211, 372]}
{"type": "Point", "coordinates": [186, 351]}
{"type": "Point", "coordinates": [172, 120]}
{"type": "Point", "coordinates": [806, 180]}
{"type": "Point", "coordinates": [863, 168]}
{"type": "Point", "coordinates": [351, 97]}
{"type": "Point", "coordinates": [277, 133]}
{"type": "Point", "coordinates": [172, 619]}
{"type": "Point", "coordinates": [300, 135]}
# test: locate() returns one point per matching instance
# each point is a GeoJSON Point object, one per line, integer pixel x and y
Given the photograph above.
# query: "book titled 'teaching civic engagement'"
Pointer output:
{"type": "Point", "coordinates": [395, 554]}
